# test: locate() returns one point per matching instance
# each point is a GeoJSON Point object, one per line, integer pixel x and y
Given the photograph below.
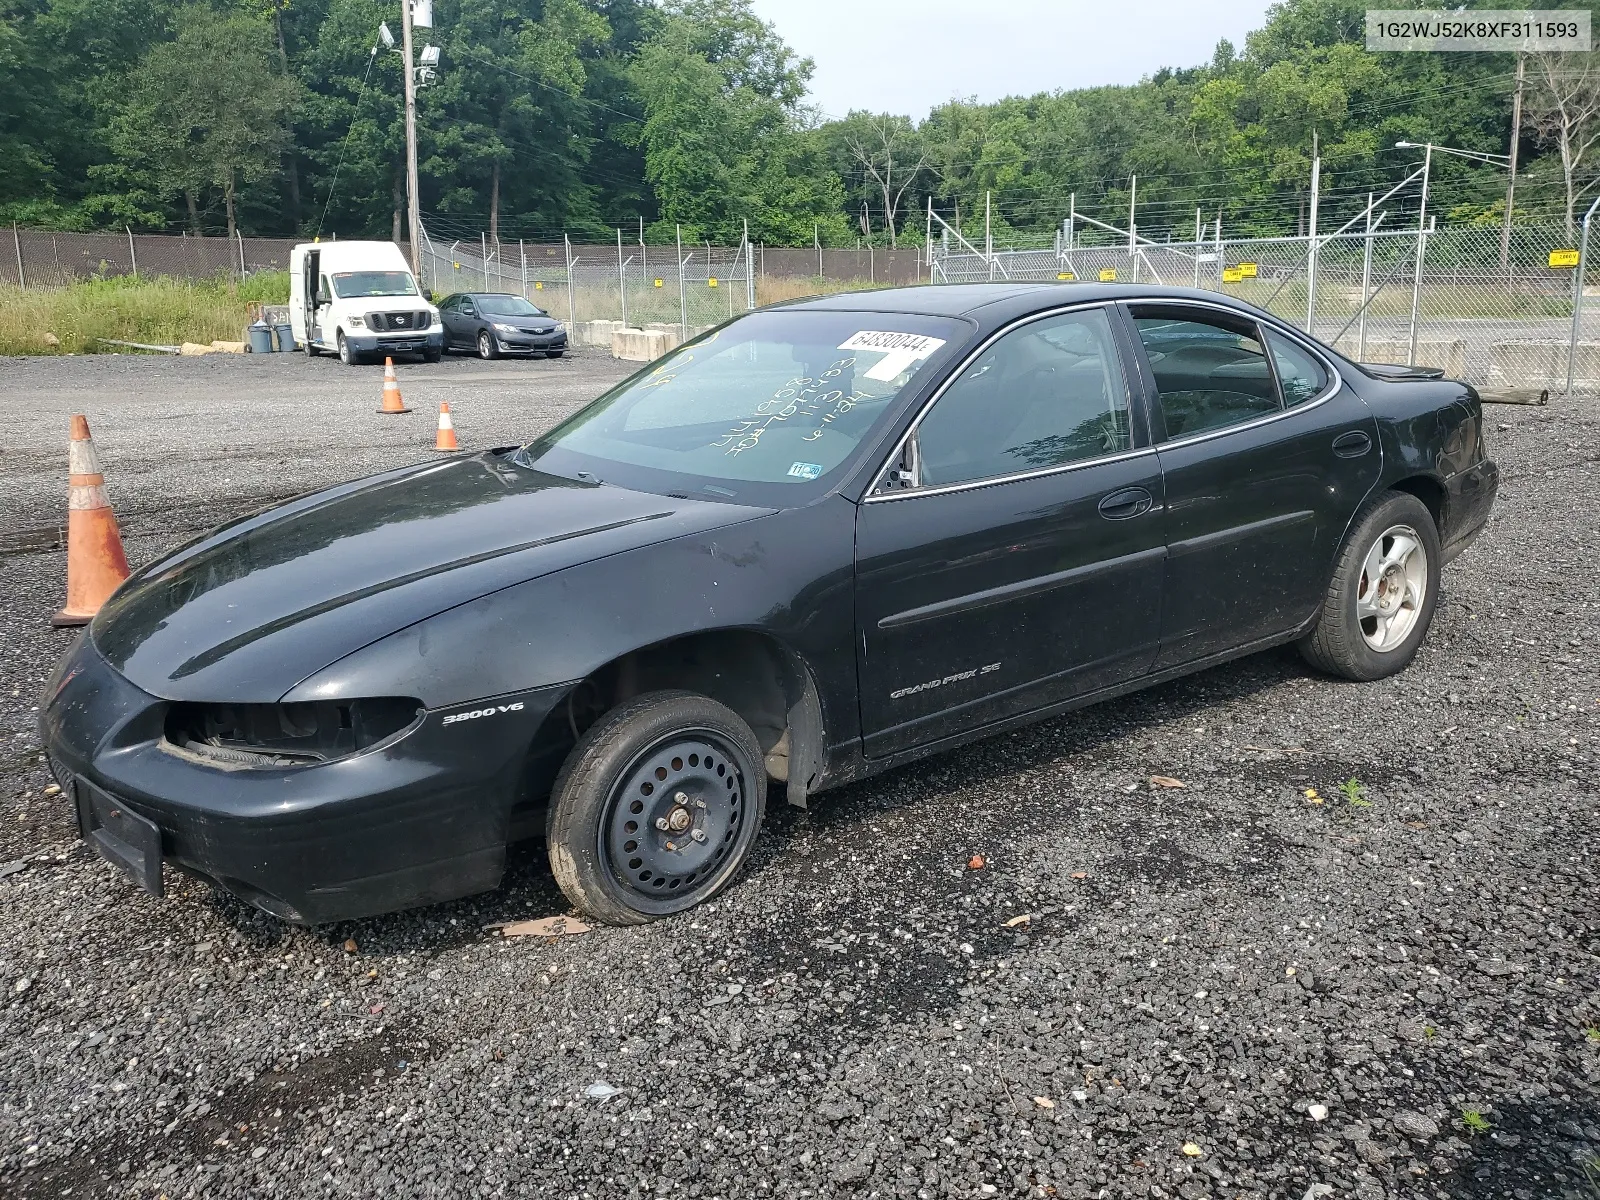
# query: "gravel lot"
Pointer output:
{"type": "Point", "coordinates": [1228, 990]}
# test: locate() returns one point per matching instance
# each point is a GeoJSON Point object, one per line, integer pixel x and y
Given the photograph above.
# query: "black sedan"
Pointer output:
{"type": "Point", "coordinates": [817, 542]}
{"type": "Point", "coordinates": [496, 323]}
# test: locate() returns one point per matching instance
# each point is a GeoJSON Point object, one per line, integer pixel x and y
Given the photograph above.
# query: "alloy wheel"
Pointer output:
{"type": "Point", "coordinates": [1393, 587]}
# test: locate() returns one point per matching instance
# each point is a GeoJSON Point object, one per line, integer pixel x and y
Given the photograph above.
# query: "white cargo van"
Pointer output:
{"type": "Point", "coordinates": [359, 299]}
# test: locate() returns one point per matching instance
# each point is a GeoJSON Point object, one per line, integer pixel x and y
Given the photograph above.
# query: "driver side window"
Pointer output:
{"type": "Point", "coordinates": [1047, 394]}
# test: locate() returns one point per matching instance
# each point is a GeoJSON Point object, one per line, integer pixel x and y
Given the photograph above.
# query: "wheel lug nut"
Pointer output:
{"type": "Point", "coordinates": [699, 803]}
{"type": "Point", "coordinates": [671, 846]}
{"type": "Point", "coordinates": [698, 835]}
{"type": "Point", "coordinates": [661, 824]}
{"type": "Point", "coordinates": [681, 798]}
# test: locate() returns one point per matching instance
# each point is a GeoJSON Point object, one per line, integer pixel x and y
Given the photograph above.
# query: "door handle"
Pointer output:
{"type": "Point", "coordinates": [1352, 445]}
{"type": "Point", "coordinates": [1129, 502]}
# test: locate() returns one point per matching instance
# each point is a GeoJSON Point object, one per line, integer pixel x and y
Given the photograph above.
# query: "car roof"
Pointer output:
{"type": "Point", "coordinates": [967, 299]}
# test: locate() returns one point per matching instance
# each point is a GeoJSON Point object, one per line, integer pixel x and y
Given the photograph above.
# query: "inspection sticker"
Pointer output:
{"type": "Point", "coordinates": [802, 470]}
{"type": "Point", "coordinates": [899, 350]}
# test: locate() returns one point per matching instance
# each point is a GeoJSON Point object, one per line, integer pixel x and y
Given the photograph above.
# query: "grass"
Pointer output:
{"type": "Point", "coordinates": [159, 310]}
{"type": "Point", "coordinates": [1355, 792]}
{"type": "Point", "coordinates": [165, 311]}
{"type": "Point", "coordinates": [1474, 1120]}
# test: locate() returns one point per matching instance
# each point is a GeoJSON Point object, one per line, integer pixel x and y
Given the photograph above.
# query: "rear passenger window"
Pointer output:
{"type": "Point", "coordinates": [1300, 375]}
{"type": "Point", "coordinates": [1210, 372]}
{"type": "Point", "coordinates": [1046, 394]}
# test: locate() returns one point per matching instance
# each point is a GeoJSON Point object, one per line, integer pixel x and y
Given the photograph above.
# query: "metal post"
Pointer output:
{"type": "Point", "coordinates": [522, 258]}
{"type": "Point", "coordinates": [683, 293]}
{"type": "Point", "coordinates": [1198, 234]}
{"type": "Point", "coordinates": [1366, 284]}
{"type": "Point", "coordinates": [1072, 223]}
{"type": "Point", "coordinates": [816, 239]}
{"type": "Point", "coordinates": [1511, 181]}
{"type": "Point", "coordinates": [1133, 200]}
{"type": "Point", "coordinates": [572, 303]}
{"type": "Point", "coordinates": [988, 235]}
{"type": "Point", "coordinates": [1422, 242]}
{"type": "Point", "coordinates": [240, 236]}
{"type": "Point", "coordinates": [749, 273]}
{"type": "Point", "coordinates": [133, 256]}
{"type": "Point", "coordinates": [927, 243]}
{"type": "Point", "coordinates": [622, 279]}
{"type": "Point", "coordinates": [413, 203]}
{"type": "Point", "coordinates": [1219, 246]}
{"type": "Point", "coordinates": [1577, 295]}
{"type": "Point", "coordinates": [1311, 258]}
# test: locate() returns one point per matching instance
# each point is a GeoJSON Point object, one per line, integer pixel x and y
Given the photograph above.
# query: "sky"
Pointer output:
{"type": "Point", "coordinates": [906, 56]}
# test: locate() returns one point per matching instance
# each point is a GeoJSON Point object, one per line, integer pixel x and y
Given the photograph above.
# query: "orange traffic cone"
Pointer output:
{"type": "Point", "coordinates": [95, 561]}
{"type": "Point", "coordinates": [392, 403]}
{"type": "Point", "coordinates": [446, 440]}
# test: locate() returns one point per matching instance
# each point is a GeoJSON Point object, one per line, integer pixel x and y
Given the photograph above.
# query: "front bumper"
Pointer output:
{"type": "Point", "coordinates": [530, 343]}
{"type": "Point", "coordinates": [1469, 498]}
{"type": "Point", "coordinates": [421, 818]}
{"type": "Point", "coordinates": [396, 343]}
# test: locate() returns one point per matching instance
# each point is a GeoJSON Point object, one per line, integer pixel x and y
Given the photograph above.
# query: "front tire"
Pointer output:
{"type": "Point", "coordinates": [1382, 597]}
{"type": "Point", "coordinates": [432, 356]}
{"type": "Point", "coordinates": [657, 807]}
{"type": "Point", "coordinates": [346, 355]}
{"type": "Point", "coordinates": [487, 346]}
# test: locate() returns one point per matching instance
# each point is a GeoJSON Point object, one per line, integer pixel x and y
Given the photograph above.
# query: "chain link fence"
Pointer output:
{"type": "Point", "coordinates": [1440, 297]}
{"type": "Point", "coordinates": [35, 258]}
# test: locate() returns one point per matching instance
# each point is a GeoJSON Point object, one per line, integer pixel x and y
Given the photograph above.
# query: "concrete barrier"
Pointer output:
{"type": "Point", "coordinates": [595, 333]}
{"type": "Point", "coordinates": [1449, 353]}
{"type": "Point", "coordinates": [672, 333]}
{"type": "Point", "coordinates": [638, 345]}
{"type": "Point", "coordinates": [1543, 364]}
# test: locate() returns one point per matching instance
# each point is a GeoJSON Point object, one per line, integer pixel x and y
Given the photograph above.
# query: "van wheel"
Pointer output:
{"type": "Point", "coordinates": [657, 807]}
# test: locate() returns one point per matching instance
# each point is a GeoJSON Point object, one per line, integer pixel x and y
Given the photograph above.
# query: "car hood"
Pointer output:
{"type": "Point", "coordinates": [247, 612]}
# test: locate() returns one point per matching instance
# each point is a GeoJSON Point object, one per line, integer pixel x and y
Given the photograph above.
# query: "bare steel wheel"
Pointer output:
{"type": "Point", "coordinates": [1394, 584]}
{"type": "Point", "coordinates": [656, 808]}
{"type": "Point", "coordinates": [1381, 597]}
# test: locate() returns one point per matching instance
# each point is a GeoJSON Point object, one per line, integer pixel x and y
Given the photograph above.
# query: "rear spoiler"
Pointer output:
{"type": "Point", "coordinates": [1399, 371]}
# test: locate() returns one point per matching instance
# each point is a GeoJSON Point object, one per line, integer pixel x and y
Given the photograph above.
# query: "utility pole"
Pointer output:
{"type": "Point", "coordinates": [414, 202]}
{"type": "Point", "coordinates": [1511, 153]}
{"type": "Point", "coordinates": [1422, 244]}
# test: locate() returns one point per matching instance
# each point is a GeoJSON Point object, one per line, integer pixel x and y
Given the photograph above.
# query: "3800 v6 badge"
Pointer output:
{"type": "Point", "coordinates": [819, 541]}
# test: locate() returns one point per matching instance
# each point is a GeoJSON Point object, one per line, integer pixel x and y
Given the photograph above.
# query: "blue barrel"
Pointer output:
{"type": "Point", "coordinates": [260, 338]}
{"type": "Point", "coordinates": [285, 334]}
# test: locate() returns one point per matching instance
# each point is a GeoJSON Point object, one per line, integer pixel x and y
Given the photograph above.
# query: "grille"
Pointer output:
{"type": "Point", "coordinates": [397, 322]}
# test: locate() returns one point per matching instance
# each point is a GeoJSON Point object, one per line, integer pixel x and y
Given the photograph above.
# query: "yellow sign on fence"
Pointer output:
{"type": "Point", "coordinates": [538, 285]}
{"type": "Point", "coordinates": [1108, 274]}
{"type": "Point", "coordinates": [1563, 258]}
{"type": "Point", "coordinates": [712, 282]}
{"type": "Point", "coordinates": [659, 283]}
{"type": "Point", "coordinates": [1247, 270]}
{"type": "Point", "coordinates": [1231, 275]}
{"type": "Point", "coordinates": [1066, 275]}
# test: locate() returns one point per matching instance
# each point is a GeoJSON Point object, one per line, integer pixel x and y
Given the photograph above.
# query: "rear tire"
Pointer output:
{"type": "Point", "coordinates": [1381, 599]}
{"type": "Point", "coordinates": [657, 807]}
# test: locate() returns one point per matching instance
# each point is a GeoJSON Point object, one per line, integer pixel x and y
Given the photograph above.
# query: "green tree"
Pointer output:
{"type": "Point", "coordinates": [207, 108]}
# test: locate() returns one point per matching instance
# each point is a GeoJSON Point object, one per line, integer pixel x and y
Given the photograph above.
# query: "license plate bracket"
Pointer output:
{"type": "Point", "coordinates": [120, 835]}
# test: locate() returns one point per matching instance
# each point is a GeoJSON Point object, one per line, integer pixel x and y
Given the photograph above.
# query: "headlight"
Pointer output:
{"type": "Point", "coordinates": [506, 328]}
{"type": "Point", "coordinates": [283, 735]}
{"type": "Point", "coordinates": [358, 322]}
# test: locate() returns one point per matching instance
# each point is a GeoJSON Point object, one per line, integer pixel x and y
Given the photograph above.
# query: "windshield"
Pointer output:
{"type": "Point", "coordinates": [508, 306]}
{"type": "Point", "coordinates": [347, 284]}
{"type": "Point", "coordinates": [767, 403]}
